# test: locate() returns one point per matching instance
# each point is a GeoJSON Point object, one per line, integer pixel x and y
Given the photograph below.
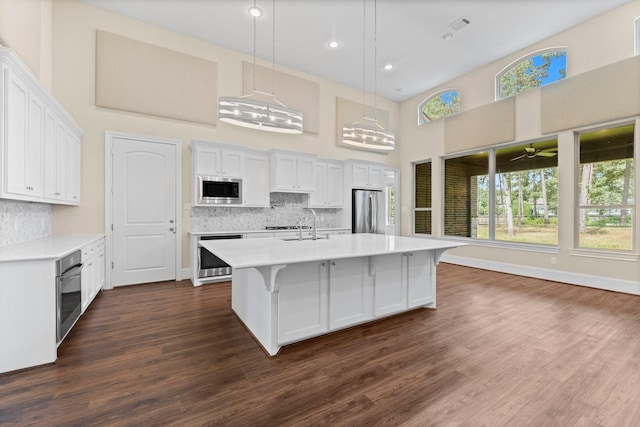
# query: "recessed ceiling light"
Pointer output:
{"type": "Point", "coordinates": [256, 12]}
{"type": "Point", "coordinates": [334, 44]}
{"type": "Point", "coordinates": [448, 36]}
{"type": "Point", "coordinates": [388, 67]}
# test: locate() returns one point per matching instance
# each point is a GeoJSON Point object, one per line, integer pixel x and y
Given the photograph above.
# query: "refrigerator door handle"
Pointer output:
{"type": "Point", "coordinates": [374, 215]}
{"type": "Point", "coordinates": [370, 219]}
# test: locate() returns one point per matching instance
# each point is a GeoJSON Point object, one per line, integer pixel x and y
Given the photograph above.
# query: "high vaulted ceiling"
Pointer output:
{"type": "Point", "coordinates": [410, 33]}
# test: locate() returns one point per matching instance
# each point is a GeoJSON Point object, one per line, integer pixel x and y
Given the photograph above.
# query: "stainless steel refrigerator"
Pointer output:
{"type": "Point", "coordinates": [368, 211]}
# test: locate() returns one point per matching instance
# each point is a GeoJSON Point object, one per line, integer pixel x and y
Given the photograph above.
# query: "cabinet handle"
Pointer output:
{"type": "Point", "coordinates": [333, 263]}
{"type": "Point", "coordinates": [410, 254]}
{"type": "Point", "coordinates": [404, 254]}
{"type": "Point", "coordinates": [323, 264]}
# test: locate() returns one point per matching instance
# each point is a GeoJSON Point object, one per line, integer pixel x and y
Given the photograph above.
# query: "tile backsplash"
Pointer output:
{"type": "Point", "coordinates": [23, 221]}
{"type": "Point", "coordinates": [286, 209]}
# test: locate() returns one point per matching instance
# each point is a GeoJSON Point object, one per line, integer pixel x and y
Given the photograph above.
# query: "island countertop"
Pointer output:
{"type": "Point", "coordinates": [248, 253]}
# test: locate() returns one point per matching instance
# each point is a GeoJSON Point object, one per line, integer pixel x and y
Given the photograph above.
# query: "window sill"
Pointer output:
{"type": "Point", "coordinates": [530, 247]}
{"type": "Point", "coordinates": [596, 253]}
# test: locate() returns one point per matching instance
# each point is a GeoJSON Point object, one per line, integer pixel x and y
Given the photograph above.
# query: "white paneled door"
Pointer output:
{"type": "Point", "coordinates": [143, 211]}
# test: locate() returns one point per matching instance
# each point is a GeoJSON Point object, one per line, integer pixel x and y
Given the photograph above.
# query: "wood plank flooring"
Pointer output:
{"type": "Point", "coordinates": [500, 350]}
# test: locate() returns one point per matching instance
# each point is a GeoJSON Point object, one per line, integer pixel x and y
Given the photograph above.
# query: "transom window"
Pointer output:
{"type": "Point", "coordinates": [438, 106]}
{"type": "Point", "coordinates": [533, 71]}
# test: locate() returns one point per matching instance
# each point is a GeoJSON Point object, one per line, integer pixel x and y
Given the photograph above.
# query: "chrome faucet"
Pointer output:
{"type": "Point", "coordinates": [299, 229]}
{"type": "Point", "coordinates": [315, 229]}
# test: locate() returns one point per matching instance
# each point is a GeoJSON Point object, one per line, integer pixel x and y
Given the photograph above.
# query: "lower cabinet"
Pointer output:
{"type": "Point", "coordinates": [350, 292]}
{"type": "Point", "coordinates": [302, 301]}
{"type": "Point", "coordinates": [317, 297]}
{"type": "Point", "coordinates": [93, 271]}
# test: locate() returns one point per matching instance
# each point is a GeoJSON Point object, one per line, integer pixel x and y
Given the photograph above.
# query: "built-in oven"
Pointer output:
{"type": "Point", "coordinates": [219, 191]}
{"type": "Point", "coordinates": [210, 265]}
{"type": "Point", "coordinates": [68, 293]}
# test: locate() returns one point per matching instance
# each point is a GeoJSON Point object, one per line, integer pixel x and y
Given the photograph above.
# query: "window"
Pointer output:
{"type": "Point", "coordinates": [422, 198]}
{"type": "Point", "coordinates": [536, 70]}
{"type": "Point", "coordinates": [438, 106]}
{"type": "Point", "coordinates": [516, 203]}
{"type": "Point", "coordinates": [391, 204]}
{"type": "Point", "coordinates": [605, 189]}
{"type": "Point", "coordinates": [466, 196]}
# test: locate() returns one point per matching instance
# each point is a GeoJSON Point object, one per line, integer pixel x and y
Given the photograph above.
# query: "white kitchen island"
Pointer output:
{"type": "Point", "coordinates": [288, 291]}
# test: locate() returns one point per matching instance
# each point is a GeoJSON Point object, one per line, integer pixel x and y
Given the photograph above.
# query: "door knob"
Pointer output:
{"type": "Point", "coordinates": [171, 221]}
{"type": "Point", "coordinates": [172, 229]}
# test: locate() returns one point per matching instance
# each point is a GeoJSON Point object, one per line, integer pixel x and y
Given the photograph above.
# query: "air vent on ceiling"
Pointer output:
{"type": "Point", "coordinates": [459, 23]}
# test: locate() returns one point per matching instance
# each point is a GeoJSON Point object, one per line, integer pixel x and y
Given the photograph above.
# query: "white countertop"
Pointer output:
{"type": "Point", "coordinates": [263, 231]}
{"type": "Point", "coordinates": [51, 247]}
{"type": "Point", "coordinates": [246, 253]}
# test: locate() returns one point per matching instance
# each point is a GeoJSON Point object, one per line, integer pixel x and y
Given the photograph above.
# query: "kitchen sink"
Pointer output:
{"type": "Point", "coordinates": [293, 239]}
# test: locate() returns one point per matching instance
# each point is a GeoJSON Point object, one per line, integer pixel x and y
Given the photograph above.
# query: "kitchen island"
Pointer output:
{"type": "Point", "coordinates": [286, 291]}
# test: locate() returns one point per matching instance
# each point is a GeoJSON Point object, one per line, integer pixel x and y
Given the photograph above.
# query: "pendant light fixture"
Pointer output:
{"type": "Point", "coordinates": [261, 110]}
{"type": "Point", "coordinates": [367, 132]}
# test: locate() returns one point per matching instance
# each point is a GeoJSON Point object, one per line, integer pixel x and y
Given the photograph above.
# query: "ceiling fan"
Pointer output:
{"type": "Point", "coordinates": [530, 152]}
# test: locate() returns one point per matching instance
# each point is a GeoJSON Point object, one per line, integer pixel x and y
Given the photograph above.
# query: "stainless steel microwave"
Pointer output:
{"type": "Point", "coordinates": [219, 191]}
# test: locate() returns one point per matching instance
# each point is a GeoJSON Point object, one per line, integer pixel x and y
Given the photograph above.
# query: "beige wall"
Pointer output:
{"type": "Point", "coordinates": [26, 27]}
{"type": "Point", "coordinates": [74, 41]}
{"type": "Point", "coordinates": [604, 40]}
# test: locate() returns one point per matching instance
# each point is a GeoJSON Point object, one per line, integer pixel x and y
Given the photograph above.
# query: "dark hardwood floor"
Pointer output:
{"type": "Point", "coordinates": [500, 350]}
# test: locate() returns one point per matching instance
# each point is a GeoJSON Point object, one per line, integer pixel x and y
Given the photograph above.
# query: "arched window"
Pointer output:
{"type": "Point", "coordinates": [438, 106]}
{"type": "Point", "coordinates": [537, 69]}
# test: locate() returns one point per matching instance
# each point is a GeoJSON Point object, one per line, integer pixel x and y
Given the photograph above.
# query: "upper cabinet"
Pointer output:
{"type": "Point", "coordinates": [329, 185]}
{"type": "Point", "coordinates": [34, 139]}
{"type": "Point", "coordinates": [292, 172]}
{"type": "Point", "coordinates": [211, 160]}
{"type": "Point", "coordinates": [366, 175]}
{"type": "Point", "coordinates": [255, 191]}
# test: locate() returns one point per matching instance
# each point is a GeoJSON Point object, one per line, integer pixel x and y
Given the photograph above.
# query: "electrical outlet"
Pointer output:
{"type": "Point", "coordinates": [554, 260]}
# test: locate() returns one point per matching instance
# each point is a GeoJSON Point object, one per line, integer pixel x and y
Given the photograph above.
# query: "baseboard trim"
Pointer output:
{"type": "Point", "coordinates": [186, 274]}
{"type": "Point", "coordinates": [598, 282]}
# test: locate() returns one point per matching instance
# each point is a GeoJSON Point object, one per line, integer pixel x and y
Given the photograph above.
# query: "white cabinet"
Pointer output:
{"type": "Point", "coordinates": [329, 185]}
{"type": "Point", "coordinates": [55, 155]}
{"type": "Point", "coordinates": [350, 292]}
{"type": "Point", "coordinates": [292, 173]}
{"type": "Point", "coordinates": [420, 278]}
{"type": "Point", "coordinates": [255, 185]}
{"type": "Point", "coordinates": [390, 287]}
{"type": "Point", "coordinates": [302, 301]}
{"type": "Point", "coordinates": [31, 144]}
{"type": "Point", "coordinates": [220, 162]}
{"type": "Point", "coordinates": [368, 176]}
{"type": "Point", "coordinates": [93, 271]}
{"type": "Point", "coordinates": [73, 147]}
{"type": "Point", "coordinates": [24, 118]}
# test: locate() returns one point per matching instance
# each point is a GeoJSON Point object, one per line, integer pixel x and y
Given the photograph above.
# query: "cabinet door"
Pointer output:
{"type": "Point", "coordinates": [87, 277]}
{"type": "Point", "coordinates": [16, 117]}
{"type": "Point", "coordinates": [232, 164]}
{"type": "Point", "coordinates": [208, 161]}
{"type": "Point", "coordinates": [62, 163]}
{"type": "Point", "coordinates": [350, 292]}
{"type": "Point", "coordinates": [360, 175]}
{"type": "Point", "coordinates": [318, 198]}
{"type": "Point", "coordinates": [73, 168]}
{"type": "Point", "coordinates": [285, 173]}
{"type": "Point", "coordinates": [35, 133]}
{"type": "Point", "coordinates": [334, 186]}
{"type": "Point", "coordinates": [302, 301]}
{"type": "Point", "coordinates": [420, 279]}
{"type": "Point", "coordinates": [389, 287]}
{"type": "Point", "coordinates": [54, 157]}
{"type": "Point", "coordinates": [255, 185]}
{"type": "Point", "coordinates": [305, 175]}
{"type": "Point", "coordinates": [376, 177]}
{"type": "Point", "coordinates": [50, 157]}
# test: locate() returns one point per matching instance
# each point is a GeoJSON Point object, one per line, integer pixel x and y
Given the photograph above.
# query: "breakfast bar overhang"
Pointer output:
{"type": "Point", "coordinates": [286, 291]}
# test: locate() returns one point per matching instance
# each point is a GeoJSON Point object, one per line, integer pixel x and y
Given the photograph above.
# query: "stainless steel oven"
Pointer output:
{"type": "Point", "coordinates": [219, 191]}
{"type": "Point", "coordinates": [68, 293]}
{"type": "Point", "coordinates": [210, 265]}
